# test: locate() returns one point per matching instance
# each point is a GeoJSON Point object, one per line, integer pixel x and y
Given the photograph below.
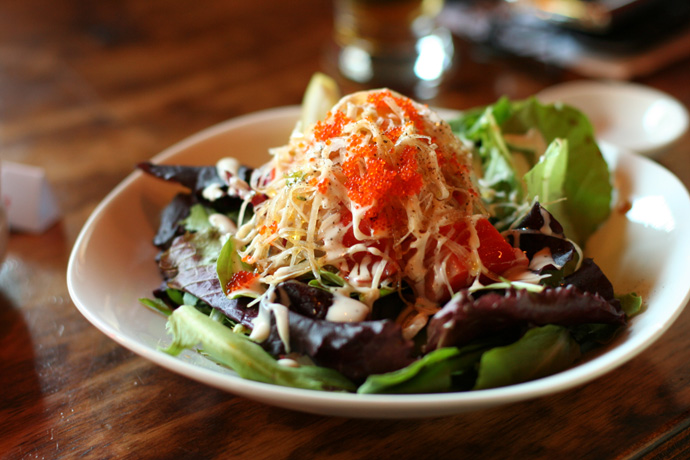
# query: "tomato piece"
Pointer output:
{"type": "Point", "coordinates": [495, 253]}
{"type": "Point", "coordinates": [385, 245]}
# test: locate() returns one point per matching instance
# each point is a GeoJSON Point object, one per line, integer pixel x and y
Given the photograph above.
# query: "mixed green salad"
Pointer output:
{"type": "Point", "coordinates": [384, 250]}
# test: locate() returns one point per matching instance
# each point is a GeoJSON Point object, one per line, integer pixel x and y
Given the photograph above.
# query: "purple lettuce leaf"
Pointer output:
{"type": "Point", "coordinates": [590, 278]}
{"type": "Point", "coordinates": [306, 300]}
{"type": "Point", "coordinates": [539, 230]}
{"type": "Point", "coordinates": [466, 318]}
{"type": "Point", "coordinates": [189, 265]}
{"type": "Point", "coordinates": [356, 350]}
{"type": "Point", "coordinates": [536, 219]}
{"type": "Point", "coordinates": [195, 178]}
{"type": "Point", "coordinates": [171, 216]}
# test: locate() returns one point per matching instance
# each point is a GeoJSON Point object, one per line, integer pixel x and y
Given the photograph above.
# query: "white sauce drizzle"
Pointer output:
{"type": "Point", "coordinates": [227, 167]}
{"type": "Point", "coordinates": [212, 192]}
{"type": "Point", "coordinates": [222, 223]}
{"type": "Point", "coordinates": [262, 323]}
{"type": "Point", "coordinates": [346, 310]}
{"type": "Point", "coordinates": [288, 362]}
{"type": "Point", "coordinates": [546, 228]}
{"type": "Point", "coordinates": [542, 259]}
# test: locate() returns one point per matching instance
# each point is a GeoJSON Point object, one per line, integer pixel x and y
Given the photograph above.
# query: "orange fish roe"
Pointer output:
{"type": "Point", "coordinates": [269, 228]}
{"type": "Point", "coordinates": [410, 111]}
{"type": "Point", "coordinates": [393, 134]}
{"type": "Point", "coordinates": [239, 280]}
{"type": "Point", "coordinates": [323, 131]}
{"type": "Point", "coordinates": [407, 106]}
{"type": "Point", "coordinates": [450, 161]}
{"type": "Point", "coordinates": [323, 185]}
{"type": "Point", "coordinates": [371, 181]}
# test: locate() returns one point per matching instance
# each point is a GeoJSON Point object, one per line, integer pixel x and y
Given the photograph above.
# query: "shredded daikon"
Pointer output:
{"type": "Point", "coordinates": [367, 192]}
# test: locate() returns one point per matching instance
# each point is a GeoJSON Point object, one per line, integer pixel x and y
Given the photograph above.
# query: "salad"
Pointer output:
{"type": "Point", "coordinates": [385, 250]}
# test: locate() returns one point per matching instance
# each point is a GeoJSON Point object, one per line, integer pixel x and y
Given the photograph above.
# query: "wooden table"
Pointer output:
{"type": "Point", "coordinates": [87, 89]}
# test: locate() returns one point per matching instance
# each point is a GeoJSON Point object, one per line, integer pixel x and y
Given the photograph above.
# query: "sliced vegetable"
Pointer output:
{"type": "Point", "coordinates": [495, 254]}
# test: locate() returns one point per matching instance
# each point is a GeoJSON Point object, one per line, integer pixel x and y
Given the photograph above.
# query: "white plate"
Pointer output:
{"type": "Point", "coordinates": [112, 265]}
{"type": "Point", "coordinates": [632, 116]}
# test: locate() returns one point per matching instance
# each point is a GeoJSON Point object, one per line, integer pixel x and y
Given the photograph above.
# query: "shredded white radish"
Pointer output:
{"type": "Point", "coordinates": [372, 191]}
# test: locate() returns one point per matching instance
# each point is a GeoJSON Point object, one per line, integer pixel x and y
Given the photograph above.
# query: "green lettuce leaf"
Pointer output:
{"type": "Point", "coordinates": [190, 327]}
{"type": "Point", "coordinates": [229, 262]}
{"type": "Point", "coordinates": [433, 373]}
{"type": "Point", "coordinates": [586, 185]}
{"type": "Point", "coordinates": [511, 140]}
{"type": "Point", "coordinates": [631, 304]}
{"type": "Point", "coordinates": [156, 305]}
{"type": "Point", "coordinates": [430, 374]}
{"type": "Point", "coordinates": [545, 182]}
{"type": "Point", "coordinates": [197, 220]}
{"type": "Point", "coordinates": [500, 184]}
{"type": "Point", "coordinates": [540, 352]}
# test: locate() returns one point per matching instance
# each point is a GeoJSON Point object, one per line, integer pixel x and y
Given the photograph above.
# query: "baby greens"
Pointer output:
{"type": "Point", "coordinates": [528, 150]}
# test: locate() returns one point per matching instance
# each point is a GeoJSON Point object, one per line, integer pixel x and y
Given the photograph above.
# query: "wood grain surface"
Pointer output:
{"type": "Point", "coordinates": [88, 89]}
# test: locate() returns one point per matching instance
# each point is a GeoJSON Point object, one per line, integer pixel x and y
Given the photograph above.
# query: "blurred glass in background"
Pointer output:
{"type": "Point", "coordinates": [393, 43]}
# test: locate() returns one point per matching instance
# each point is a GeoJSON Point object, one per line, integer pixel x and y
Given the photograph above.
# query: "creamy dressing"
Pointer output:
{"type": "Point", "coordinates": [213, 192]}
{"type": "Point", "coordinates": [346, 310]}
{"type": "Point", "coordinates": [223, 223]}
{"type": "Point", "coordinates": [227, 167]}
{"type": "Point", "coordinates": [262, 322]}
{"type": "Point", "coordinates": [542, 259]}
{"type": "Point", "coordinates": [546, 227]}
{"type": "Point", "coordinates": [288, 362]}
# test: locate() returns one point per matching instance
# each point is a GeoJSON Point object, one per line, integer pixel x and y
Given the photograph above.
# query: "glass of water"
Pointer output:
{"type": "Point", "coordinates": [393, 43]}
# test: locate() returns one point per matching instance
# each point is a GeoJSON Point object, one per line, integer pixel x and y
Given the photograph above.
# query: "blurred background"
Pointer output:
{"type": "Point", "coordinates": [94, 83]}
{"type": "Point", "coordinates": [616, 39]}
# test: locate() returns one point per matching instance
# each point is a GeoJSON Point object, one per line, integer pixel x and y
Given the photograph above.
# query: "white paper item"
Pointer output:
{"type": "Point", "coordinates": [4, 233]}
{"type": "Point", "coordinates": [29, 201]}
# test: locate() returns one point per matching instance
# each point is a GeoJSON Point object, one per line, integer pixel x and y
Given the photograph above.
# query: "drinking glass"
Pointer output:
{"type": "Point", "coordinates": [393, 43]}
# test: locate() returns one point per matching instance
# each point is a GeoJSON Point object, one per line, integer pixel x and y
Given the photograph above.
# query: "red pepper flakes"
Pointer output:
{"type": "Point", "coordinates": [240, 280]}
